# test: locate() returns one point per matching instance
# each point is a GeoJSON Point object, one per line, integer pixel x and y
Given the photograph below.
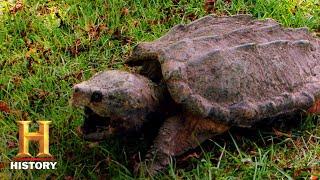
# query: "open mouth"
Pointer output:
{"type": "Point", "coordinates": [98, 128]}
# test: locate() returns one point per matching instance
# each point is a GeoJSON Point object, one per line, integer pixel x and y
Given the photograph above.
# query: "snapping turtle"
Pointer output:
{"type": "Point", "coordinates": [205, 77]}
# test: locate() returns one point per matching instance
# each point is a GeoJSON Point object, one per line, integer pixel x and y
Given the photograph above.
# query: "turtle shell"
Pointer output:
{"type": "Point", "coordinates": [235, 69]}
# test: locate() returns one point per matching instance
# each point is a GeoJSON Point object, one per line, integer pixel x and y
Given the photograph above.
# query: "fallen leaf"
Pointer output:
{"type": "Point", "coordinates": [192, 16]}
{"type": "Point", "coordinates": [25, 115]}
{"type": "Point", "coordinates": [124, 11]}
{"type": "Point", "coordinates": [93, 144]}
{"type": "Point", "coordinates": [175, 2]}
{"type": "Point", "coordinates": [17, 80]}
{"type": "Point", "coordinates": [23, 34]}
{"type": "Point", "coordinates": [280, 134]}
{"type": "Point", "coordinates": [136, 23]}
{"type": "Point", "coordinates": [118, 35]}
{"type": "Point", "coordinates": [77, 47]}
{"type": "Point", "coordinates": [30, 52]}
{"type": "Point", "coordinates": [4, 107]}
{"type": "Point", "coordinates": [192, 155]}
{"type": "Point", "coordinates": [209, 6]}
{"type": "Point", "coordinates": [315, 108]}
{"type": "Point", "coordinates": [77, 75]}
{"type": "Point", "coordinates": [46, 54]}
{"type": "Point", "coordinates": [11, 144]}
{"type": "Point", "coordinates": [17, 7]}
{"type": "Point", "coordinates": [79, 130]}
{"type": "Point", "coordinates": [298, 172]}
{"type": "Point", "coordinates": [40, 93]}
{"type": "Point", "coordinates": [29, 65]}
{"type": "Point", "coordinates": [210, 2]}
{"type": "Point", "coordinates": [95, 32]}
{"type": "Point", "coordinates": [313, 177]}
{"type": "Point", "coordinates": [43, 10]}
{"type": "Point", "coordinates": [37, 95]}
{"type": "Point", "coordinates": [315, 171]}
{"type": "Point", "coordinates": [68, 178]}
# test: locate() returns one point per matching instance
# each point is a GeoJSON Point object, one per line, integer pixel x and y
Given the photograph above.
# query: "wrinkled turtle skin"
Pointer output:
{"type": "Point", "coordinates": [218, 72]}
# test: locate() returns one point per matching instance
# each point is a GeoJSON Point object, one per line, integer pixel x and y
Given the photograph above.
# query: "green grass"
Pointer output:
{"type": "Point", "coordinates": [47, 46]}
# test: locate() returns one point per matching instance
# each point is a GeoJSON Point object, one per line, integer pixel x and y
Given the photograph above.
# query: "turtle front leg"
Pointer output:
{"type": "Point", "coordinates": [178, 135]}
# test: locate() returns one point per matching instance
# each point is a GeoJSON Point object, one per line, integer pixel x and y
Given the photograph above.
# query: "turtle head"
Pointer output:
{"type": "Point", "coordinates": [116, 99]}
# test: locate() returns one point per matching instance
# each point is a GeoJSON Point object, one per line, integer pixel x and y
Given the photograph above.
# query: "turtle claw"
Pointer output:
{"type": "Point", "coordinates": [99, 135]}
{"type": "Point", "coordinates": [150, 168]}
{"type": "Point", "coordinates": [96, 136]}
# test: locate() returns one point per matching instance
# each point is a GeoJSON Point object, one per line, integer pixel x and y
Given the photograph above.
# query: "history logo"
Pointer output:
{"type": "Point", "coordinates": [24, 160]}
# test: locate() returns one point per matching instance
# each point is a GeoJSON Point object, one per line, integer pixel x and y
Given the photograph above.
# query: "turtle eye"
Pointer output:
{"type": "Point", "coordinates": [96, 96]}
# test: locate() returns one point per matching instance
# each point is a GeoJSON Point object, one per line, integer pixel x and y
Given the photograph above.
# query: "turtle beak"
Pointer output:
{"type": "Point", "coordinates": [78, 98]}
